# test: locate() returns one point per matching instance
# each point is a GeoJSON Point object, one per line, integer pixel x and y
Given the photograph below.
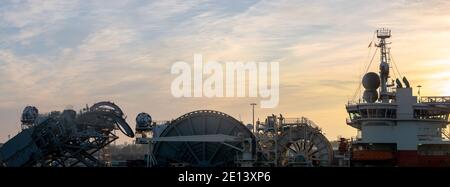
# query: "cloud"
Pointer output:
{"type": "Point", "coordinates": [170, 8]}
{"type": "Point", "coordinates": [34, 17]}
{"type": "Point", "coordinates": [58, 53]}
{"type": "Point", "coordinates": [107, 40]}
{"type": "Point", "coordinates": [31, 12]}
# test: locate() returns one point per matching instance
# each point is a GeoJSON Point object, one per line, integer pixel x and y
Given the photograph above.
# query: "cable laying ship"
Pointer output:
{"type": "Point", "coordinates": [396, 128]}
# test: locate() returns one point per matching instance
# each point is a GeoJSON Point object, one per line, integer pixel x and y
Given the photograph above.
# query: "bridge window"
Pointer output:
{"type": "Point", "coordinates": [374, 113]}
{"type": "Point", "coordinates": [430, 114]}
{"type": "Point", "coordinates": [379, 113]}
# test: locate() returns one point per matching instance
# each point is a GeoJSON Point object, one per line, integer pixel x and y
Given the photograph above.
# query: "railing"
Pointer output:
{"type": "Point", "coordinates": [435, 99]}
{"type": "Point", "coordinates": [302, 120]}
{"type": "Point", "coordinates": [352, 102]}
{"type": "Point", "coordinates": [383, 33]}
{"type": "Point", "coordinates": [354, 139]}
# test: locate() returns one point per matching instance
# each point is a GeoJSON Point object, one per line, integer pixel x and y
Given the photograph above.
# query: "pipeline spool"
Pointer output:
{"type": "Point", "coordinates": [202, 154]}
{"type": "Point", "coordinates": [304, 145]}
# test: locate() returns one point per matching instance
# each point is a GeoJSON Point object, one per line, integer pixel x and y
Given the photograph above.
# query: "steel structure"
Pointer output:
{"type": "Point", "coordinates": [203, 138]}
{"type": "Point", "coordinates": [61, 139]}
{"type": "Point", "coordinates": [395, 129]}
{"type": "Point", "coordinates": [293, 142]}
{"type": "Point", "coordinates": [304, 144]}
{"type": "Point", "coordinates": [207, 138]}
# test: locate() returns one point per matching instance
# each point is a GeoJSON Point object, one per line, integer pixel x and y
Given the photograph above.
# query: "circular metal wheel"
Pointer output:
{"type": "Point", "coordinates": [106, 108]}
{"type": "Point", "coordinates": [304, 145]}
{"type": "Point", "coordinates": [201, 154]}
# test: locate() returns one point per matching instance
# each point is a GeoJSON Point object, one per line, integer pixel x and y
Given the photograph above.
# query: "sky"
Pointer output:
{"type": "Point", "coordinates": [66, 54]}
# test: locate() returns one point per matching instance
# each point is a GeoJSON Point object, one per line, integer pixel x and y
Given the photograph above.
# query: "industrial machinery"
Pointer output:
{"type": "Point", "coordinates": [200, 138]}
{"type": "Point", "coordinates": [207, 138]}
{"type": "Point", "coordinates": [292, 142]}
{"type": "Point", "coordinates": [61, 139]}
{"type": "Point", "coordinates": [394, 127]}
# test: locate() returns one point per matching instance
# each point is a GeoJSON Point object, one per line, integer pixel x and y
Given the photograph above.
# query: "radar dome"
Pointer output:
{"type": "Point", "coordinates": [371, 81]}
{"type": "Point", "coordinates": [143, 120]}
{"type": "Point", "coordinates": [29, 114]}
{"type": "Point", "coordinates": [370, 96]}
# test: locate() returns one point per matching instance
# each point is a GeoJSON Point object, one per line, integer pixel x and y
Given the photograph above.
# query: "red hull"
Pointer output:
{"type": "Point", "coordinates": [413, 159]}
{"type": "Point", "coordinates": [399, 158]}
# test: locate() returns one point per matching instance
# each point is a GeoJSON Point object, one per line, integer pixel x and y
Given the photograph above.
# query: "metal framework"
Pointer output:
{"type": "Point", "coordinates": [65, 139]}
{"type": "Point", "coordinates": [209, 138]}
{"type": "Point", "coordinates": [203, 138]}
{"type": "Point", "coordinates": [297, 142]}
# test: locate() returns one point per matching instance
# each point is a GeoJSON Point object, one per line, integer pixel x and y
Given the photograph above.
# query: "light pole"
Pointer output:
{"type": "Point", "coordinates": [253, 116]}
{"type": "Point", "coordinates": [418, 92]}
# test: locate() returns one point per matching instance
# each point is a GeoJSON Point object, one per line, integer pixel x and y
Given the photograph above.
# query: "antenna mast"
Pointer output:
{"type": "Point", "coordinates": [382, 35]}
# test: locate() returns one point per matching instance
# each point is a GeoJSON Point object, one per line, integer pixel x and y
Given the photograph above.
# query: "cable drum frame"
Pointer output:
{"type": "Point", "coordinates": [203, 154]}
{"type": "Point", "coordinates": [303, 137]}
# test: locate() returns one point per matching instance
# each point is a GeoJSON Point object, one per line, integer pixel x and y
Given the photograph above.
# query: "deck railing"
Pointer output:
{"type": "Point", "coordinates": [435, 99]}
{"type": "Point", "coordinates": [302, 120]}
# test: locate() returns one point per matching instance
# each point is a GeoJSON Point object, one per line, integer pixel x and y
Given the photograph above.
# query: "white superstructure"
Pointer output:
{"type": "Point", "coordinates": [394, 126]}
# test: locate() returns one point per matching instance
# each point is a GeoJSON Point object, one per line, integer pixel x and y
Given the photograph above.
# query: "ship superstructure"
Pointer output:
{"type": "Point", "coordinates": [395, 127]}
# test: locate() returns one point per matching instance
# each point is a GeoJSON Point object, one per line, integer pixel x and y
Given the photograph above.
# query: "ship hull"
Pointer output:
{"type": "Point", "coordinates": [414, 159]}
{"type": "Point", "coordinates": [398, 158]}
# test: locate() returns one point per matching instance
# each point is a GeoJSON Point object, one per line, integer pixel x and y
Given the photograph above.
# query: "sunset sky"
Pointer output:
{"type": "Point", "coordinates": [60, 54]}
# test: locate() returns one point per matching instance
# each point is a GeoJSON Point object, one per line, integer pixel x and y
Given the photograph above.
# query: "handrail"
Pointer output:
{"type": "Point", "coordinates": [435, 99]}
{"type": "Point", "coordinates": [302, 120]}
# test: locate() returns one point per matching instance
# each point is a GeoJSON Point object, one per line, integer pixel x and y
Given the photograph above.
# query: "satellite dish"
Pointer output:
{"type": "Point", "coordinates": [399, 84]}
{"type": "Point", "coordinates": [406, 82]}
{"type": "Point", "coordinates": [371, 81]}
{"type": "Point", "coordinates": [370, 96]}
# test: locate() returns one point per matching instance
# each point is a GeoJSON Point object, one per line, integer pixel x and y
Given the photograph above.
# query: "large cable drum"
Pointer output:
{"type": "Point", "coordinates": [202, 154]}
{"type": "Point", "coordinates": [304, 145]}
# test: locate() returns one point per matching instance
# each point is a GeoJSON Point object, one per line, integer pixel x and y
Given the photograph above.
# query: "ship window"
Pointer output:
{"type": "Point", "coordinates": [354, 115]}
{"type": "Point", "coordinates": [391, 113]}
{"type": "Point", "coordinates": [370, 113]}
{"type": "Point", "coordinates": [377, 113]}
{"type": "Point", "coordinates": [381, 113]}
{"type": "Point", "coordinates": [363, 113]}
{"type": "Point", "coordinates": [430, 114]}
